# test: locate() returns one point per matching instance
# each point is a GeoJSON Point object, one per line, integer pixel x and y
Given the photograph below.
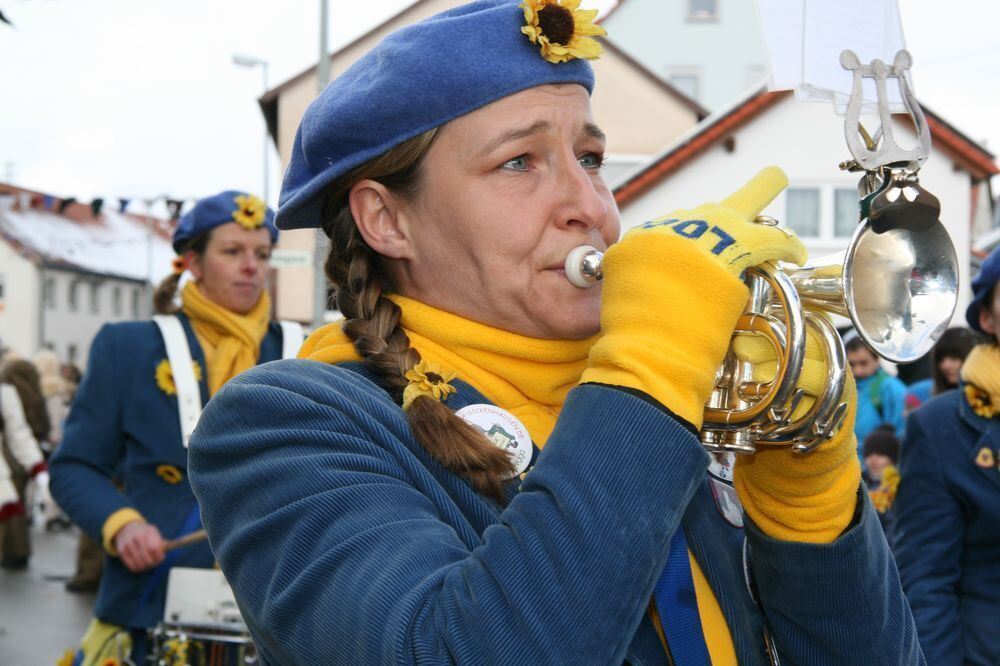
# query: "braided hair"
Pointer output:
{"type": "Point", "coordinates": [163, 297]}
{"type": "Point", "coordinates": [372, 321]}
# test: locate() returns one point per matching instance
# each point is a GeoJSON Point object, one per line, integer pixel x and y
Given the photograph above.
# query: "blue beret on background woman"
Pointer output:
{"type": "Point", "coordinates": [126, 425]}
{"type": "Point", "coordinates": [948, 504]}
{"type": "Point", "coordinates": [351, 497]}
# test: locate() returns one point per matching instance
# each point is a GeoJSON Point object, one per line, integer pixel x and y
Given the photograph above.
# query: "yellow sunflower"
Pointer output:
{"type": "Point", "coordinates": [429, 380]}
{"type": "Point", "coordinates": [249, 212]}
{"type": "Point", "coordinates": [561, 29]}
{"type": "Point", "coordinates": [169, 473]}
{"type": "Point", "coordinates": [980, 401]}
{"type": "Point", "coordinates": [165, 376]}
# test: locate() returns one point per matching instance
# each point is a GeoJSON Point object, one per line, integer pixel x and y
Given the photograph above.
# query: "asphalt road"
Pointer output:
{"type": "Point", "coordinates": [39, 619]}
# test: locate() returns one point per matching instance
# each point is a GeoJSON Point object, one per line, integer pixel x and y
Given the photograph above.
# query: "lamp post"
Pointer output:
{"type": "Point", "coordinates": [320, 293]}
{"type": "Point", "coordinates": [251, 61]}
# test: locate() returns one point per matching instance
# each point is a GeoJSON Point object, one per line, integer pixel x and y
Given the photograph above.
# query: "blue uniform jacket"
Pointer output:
{"type": "Point", "coordinates": [347, 544]}
{"type": "Point", "coordinates": [123, 425]}
{"type": "Point", "coordinates": [948, 530]}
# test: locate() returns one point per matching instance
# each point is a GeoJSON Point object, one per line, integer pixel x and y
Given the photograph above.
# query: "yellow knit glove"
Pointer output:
{"type": "Point", "coordinates": [794, 497]}
{"type": "Point", "coordinates": [672, 295]}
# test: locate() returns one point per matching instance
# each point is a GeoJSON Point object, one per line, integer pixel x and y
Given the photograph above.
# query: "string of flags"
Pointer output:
{"type": "Point", "coordinates": [175, 207]}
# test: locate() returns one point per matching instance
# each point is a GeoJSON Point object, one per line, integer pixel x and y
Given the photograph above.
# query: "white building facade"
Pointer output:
{"type": "Point", "coordinates": [63, 276]}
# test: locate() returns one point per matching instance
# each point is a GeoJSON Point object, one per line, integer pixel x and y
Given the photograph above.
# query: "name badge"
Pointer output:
{"type": "Point", "coordinates": [504, 430]}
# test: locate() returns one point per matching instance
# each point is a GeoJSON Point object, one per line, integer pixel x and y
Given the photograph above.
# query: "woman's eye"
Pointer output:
{"type": "Point", "coordinates": [592, 160]}
{"type": "Point", "coordinates": [519, 163]}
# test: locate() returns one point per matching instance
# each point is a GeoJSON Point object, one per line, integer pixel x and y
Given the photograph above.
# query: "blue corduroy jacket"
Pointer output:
{"type": "Point", "coordinates": [346, 543]}
{"type": "Point", "coordinates": [948, 530]}
{"type": "Point", "coordinates": [123, 426]}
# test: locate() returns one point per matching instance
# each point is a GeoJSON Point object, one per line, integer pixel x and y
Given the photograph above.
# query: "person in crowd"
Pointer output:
{"type": "Point", "coordinates": [23, 376]}
{"type": "Point", "coordinates": [947, 519]}
{"type": "Point", "coordinates": [72, 374]}
{"type": "Point", "coordinates": [483, 463]}
{"type": "Point", "coordinates": [131, 416]}
{"type": "Point", "coordinates": [880, 453]}
{"type": "Point", "coordinates": [947, 357]}
{"type": "Point", "coordinates": [881, 397]}
{"type": "Point", "coordinates": [18, 439]}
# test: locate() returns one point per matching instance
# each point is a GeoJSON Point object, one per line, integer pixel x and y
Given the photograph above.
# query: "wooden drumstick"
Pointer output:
{"type": "Point", "coordinates": [185, 540]}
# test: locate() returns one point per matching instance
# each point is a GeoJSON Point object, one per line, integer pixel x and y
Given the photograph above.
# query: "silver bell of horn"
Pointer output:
{"type": "Point", "coordinates": [899, 288]}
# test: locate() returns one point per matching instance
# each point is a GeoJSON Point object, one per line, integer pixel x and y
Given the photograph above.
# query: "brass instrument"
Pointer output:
{"type": "Point", "coordinates": [897, 282]}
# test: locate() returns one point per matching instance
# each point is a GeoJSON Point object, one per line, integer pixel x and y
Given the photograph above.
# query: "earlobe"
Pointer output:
{"type": "Point", "coordinates": [378, 216]}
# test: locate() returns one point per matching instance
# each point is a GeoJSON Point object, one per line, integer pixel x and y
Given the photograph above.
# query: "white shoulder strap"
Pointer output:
{"type": "Point", "coordinates": [291, 338]}
{"type": "Point", "coordinates": [182, 367]}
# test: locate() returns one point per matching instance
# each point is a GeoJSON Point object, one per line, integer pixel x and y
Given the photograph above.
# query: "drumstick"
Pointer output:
{"type": "Point", "coordinates": [185, 540]}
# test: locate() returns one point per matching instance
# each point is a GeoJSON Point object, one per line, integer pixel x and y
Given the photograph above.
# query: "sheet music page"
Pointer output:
{"type": "Point", "coordinates": [804, 39]}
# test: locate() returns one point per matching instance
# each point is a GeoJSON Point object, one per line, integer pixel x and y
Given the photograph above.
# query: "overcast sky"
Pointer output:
{"type": "Point", "coordinates": [140, 98]}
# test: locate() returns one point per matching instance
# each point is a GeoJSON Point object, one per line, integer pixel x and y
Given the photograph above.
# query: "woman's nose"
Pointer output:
{"type": "Point", "coordinates": [581, 203]}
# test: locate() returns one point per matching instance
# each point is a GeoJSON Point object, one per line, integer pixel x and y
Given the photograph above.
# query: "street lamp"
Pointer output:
{"type": "Point", "coordinates": [250, 61]}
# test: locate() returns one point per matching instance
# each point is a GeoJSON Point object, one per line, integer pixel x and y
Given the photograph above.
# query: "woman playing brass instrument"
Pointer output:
{"type": "Point", "coordinates": [351, 497]}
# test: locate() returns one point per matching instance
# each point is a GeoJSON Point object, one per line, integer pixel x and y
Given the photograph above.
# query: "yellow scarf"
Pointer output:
{"type": "Point", "coordinates": [526, 376]}
{"type": "Point", "coordinates": [230, 341]}
{"type": "Point", "coordinates": [981, 374]}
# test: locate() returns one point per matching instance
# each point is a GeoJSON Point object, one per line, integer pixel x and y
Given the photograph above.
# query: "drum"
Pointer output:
{"type": "Point", "coordinates": [202, 625]}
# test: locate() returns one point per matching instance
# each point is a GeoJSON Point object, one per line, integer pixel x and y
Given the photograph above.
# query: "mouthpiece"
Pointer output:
{"type": "Point", "coordinates": [583, 266]}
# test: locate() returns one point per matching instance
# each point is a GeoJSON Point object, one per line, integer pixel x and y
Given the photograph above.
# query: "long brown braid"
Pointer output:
{"type": "Point", "coordinates": [372, 321]}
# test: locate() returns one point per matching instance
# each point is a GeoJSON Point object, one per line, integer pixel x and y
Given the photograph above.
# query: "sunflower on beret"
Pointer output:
{"type": "Point", "coordinates": [561, 29]}
{"type": "Point", "coordinates": [249, 212]}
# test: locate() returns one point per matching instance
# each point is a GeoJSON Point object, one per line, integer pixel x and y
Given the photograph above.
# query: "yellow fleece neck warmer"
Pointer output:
{"type": "Point", "coordinates": [528, 377]}
{"type": "Point", "coordinates": [982, 370]}
{"type": "Point", "coordinates": [230, 341]}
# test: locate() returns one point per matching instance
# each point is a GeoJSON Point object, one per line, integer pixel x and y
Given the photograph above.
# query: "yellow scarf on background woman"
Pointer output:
{"type": "Point", "coordinates": [528, 377]}
{"type": "Point", "coordinates": [981, 374]}
{"type": "Point", "coordinates": [230, 341]}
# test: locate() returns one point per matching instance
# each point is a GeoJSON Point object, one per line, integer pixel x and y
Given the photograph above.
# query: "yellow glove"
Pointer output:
{"type": "Point", "coordinates": [796, 497]}
{"type": "Point", "coordinates": [672, 295]}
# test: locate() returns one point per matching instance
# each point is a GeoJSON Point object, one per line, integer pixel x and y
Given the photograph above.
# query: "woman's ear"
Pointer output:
{"type": "Point", "coordinates": [193, 262]}
{"type": "Point", "coordinates": [378, 214]}
{"type": "Point", "coordinates": [986, 320]}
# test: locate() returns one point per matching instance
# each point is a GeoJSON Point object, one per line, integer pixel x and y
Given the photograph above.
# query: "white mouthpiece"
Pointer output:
{"type": "Point", "coordinates": [583, 266]}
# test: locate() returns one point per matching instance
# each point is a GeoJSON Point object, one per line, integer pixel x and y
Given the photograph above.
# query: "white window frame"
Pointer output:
{"type": "Point", "coordinates": [694, 72]}
{"type": "Point", "coordinates": [827, 202]}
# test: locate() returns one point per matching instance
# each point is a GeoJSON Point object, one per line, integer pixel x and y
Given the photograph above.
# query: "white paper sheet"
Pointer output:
{"type": "Point", "coordinates": [804, 39]}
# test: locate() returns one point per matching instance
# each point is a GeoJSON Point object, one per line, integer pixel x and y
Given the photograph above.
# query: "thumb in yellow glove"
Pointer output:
{"type": "Point", "coordinates": [796, 497]}
{"type": "Point", "coordinates": [672, 295]}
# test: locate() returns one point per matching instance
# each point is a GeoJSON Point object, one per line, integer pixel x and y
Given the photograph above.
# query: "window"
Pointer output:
{"type": "Point", "coordinates": [94, 293]}
{"type": "Point", "coordinates": [136, 296]}
{"type": "Point", "coordinates": [49, 293]}
{"type": "Point", "coordinates": [802, 211]}
{"type": "Point", "coordinates": [74, 295]}
{"type": "Point", "coordinates": [116, 301]}
{"type": "Point", "coordinates": [71, 353]}
{"type": "Point", "coordinates": [703, 10]}
{"type": "Point", "coordinates": [846, 211]}
{"type": "Point", "coordinates": [685, 80]}
{"type": "Point", "coordinates": [1, 290]}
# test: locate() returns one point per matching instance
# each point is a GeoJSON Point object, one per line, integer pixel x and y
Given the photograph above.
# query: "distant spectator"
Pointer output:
{"type": "Point", "coordinates": [73, 375]}
{"type": "Point", "coordinates": [881, 397]}
{"type": "Point", "coordinates": [17, 438]}
{"type": "Point", "coordinates": [948, 508]}
{"type": "Point", "coordinates": [880, 453]}
{"type": "Point", "coordinates": [947, 357]}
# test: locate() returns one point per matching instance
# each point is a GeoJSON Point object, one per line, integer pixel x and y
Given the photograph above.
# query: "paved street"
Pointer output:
{"type": "Point", "coordinates": [39, 620]}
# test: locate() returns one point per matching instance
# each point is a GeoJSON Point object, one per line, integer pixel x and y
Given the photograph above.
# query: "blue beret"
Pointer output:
{"type": "Point", "coordinates": [414, 80]}
{"type": "Point", "coordinates": [230, 206]}
{"type": "Point", "coordinates": [989, 273]}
